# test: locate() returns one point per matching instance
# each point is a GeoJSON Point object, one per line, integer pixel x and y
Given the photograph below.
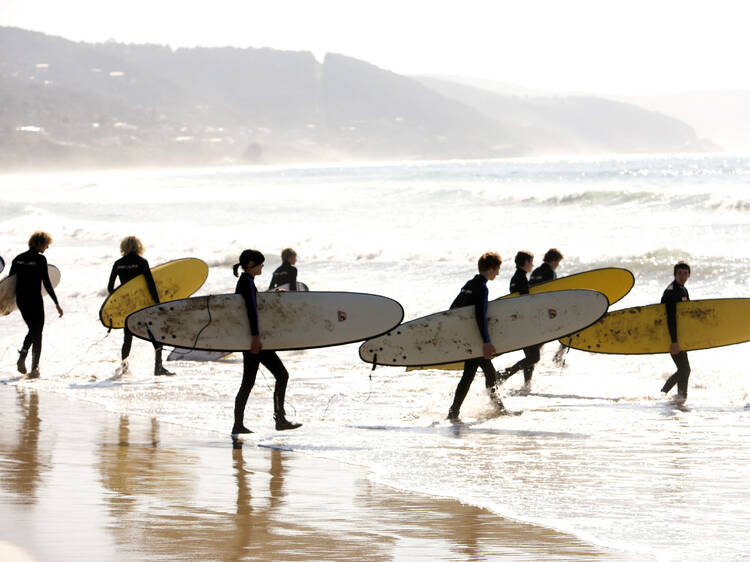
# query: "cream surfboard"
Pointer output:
{"type": "Point", "coordinates": [701, 324]}
{"type": "Point", "coordinates": [287, 320]}
{"type": "Point", "coordinates": [453, 335]}
{"type": "Point", "coordinates": [8, 290]}
{"type": "Point", "coordinates": [175, 279]}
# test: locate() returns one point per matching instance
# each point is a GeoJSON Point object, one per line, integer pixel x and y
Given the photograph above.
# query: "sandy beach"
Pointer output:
{"type": "Point", "coordinates": [81, 483]}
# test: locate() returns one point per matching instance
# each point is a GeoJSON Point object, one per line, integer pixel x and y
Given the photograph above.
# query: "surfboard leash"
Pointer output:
{"type": "Point", "coordinates": [210, 319]}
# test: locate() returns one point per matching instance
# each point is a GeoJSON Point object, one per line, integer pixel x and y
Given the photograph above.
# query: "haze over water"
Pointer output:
{"type": "Point", "coordinates": [597, 452]}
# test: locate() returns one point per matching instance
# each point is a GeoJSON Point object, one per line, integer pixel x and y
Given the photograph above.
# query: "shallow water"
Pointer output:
{"type": "Point", "coordinates": [597, 450]}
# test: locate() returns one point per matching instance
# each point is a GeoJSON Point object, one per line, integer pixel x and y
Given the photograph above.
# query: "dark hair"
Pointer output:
{"type": "Point", "coordinates": [553, 254]}
{"type": "Point", "coordinates": [489, 260]}
{"type": "Point", "coordinates": [522, 257]}
{"type": "Point", "coordinates": [681, 265]}
{"type": "Point", "coordinates": [246, 257]}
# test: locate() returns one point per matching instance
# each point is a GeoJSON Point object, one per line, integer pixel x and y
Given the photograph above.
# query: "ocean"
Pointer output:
{"type": "Point", "coordinates": [597, 451]}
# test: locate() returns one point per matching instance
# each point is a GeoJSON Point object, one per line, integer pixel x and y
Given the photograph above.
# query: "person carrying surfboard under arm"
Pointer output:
{"type": "Point", "coordinates": [30, 269]}
{"type": "Point", "coordinates": [129, 266]}
{"type": "Point", "coordinates": [542, 274]}
{"type": "Point", "coordinates": [286, 273]}
{"type": "Point", "coordinates": [475, 293]}
{"type": "Point", "coordinates": [674, 293]}
{"type": "Point", "coordinates": [251, 262]}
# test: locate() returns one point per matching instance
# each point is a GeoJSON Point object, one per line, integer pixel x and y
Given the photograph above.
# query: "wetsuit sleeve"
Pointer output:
{"type": "Point", "coordinates": [44, 274]}
{"type": "Point", "coordinates": [112, 277]}
{"type": "Point", "coordinates": [292, 278]}
{"type": "Point", "coordinates": [12, 268]}
{"type": "Point", "coordinates": [248, 292]}
{"type": "Point", "coordinates": [668, 298]}
{"type": "Point", "coordinates": [480, 313]}
{"type": "Point", "coordinates": [150, 283]}
{"type": "Point", "coordinates": [519, 283]}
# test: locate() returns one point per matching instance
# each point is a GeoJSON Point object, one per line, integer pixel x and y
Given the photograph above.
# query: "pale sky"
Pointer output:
{"type": "Point", "coordinates": [631, 47]}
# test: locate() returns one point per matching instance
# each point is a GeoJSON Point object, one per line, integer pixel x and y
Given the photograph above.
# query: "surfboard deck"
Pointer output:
{"type": "Point", "coordinates": [287, 320]}
{"type": "Point", "coordinates": [452, 335]}
{"type": "Point", "coordinates": [175, 279]}
{"type": "Point", "coordinates": [8, 289]}
{"type": "Point", "coordinates": [641, 330]}
{"type": "Point", "coordinates": [301, 287]}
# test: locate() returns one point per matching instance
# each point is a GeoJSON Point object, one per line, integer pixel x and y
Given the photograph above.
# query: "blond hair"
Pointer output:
{"type": "Point", "coordinates": [39, 239]}
{"type": "Point", "coordinates": [287, 254]}
{"type": "Point", "coordinates": [131, 244]}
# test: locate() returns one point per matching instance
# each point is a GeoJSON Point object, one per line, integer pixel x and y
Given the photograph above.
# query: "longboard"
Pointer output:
{"type": "Point", "coordinates": [701, 324]}
{"type": "Point", "coordinates": [452, 335]}
{"type": "Point", "coordinates": [175, 279]}
{"type": "Point", "coordinates": [181, 354]}
{"type": "Point", "coordinates": [287, 320]}
{"type": "Point", "coordinates": [301, 287]}
{"type": "Point", "coordinates": [8, 289]}
{"type": "Point", "coordinates": [614, 282]}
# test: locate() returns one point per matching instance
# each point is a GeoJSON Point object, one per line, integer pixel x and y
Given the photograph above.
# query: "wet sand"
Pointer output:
{"type": "Point", "coordinates": [80, 483]}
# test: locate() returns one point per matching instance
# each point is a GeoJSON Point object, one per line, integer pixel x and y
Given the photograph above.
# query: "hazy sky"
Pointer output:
{"type": "Point", "coordinates": [598, 46]}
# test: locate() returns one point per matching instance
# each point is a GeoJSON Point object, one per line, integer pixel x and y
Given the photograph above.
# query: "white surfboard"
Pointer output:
{"type": "Point", "coordinates": [301, 287]}
{"type": "Point", "coordinates": [287, 320]}
{"type": "Point", "coordinates": [8, 290]}
{"type": "Point", "coordinates": [200, 355]}
{"type": "Point", "coordinates": [2, 264]}
{"type": "Point", "coordinates": [453, 335]}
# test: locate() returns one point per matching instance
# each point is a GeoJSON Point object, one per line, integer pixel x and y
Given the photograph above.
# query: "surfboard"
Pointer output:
{"type": "Point", "coordinates": [180, 354]}
{"type": "Point", "coordinates": [614, 282]}
{"type": "Point", "coordinates": [301, 287]}
{"type": "Point", "coordinates": [2, 265]}
{"type": "Point", "coordinates": [8, 290]}
{"type": "Point", "coordinates": [288, 320]}
{"type": "Point", "coordinates": [175, 279]}
{"type": "Point", "coordinates": [452, 335]}
{"type": "Point", "coordinates": [701, 324]}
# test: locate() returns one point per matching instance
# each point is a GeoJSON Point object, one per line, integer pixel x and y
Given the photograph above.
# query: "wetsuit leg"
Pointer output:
{"type": "Point", "coordinates": [249, 372]}
{"type": "Point", "coordinates": [127, 342]}
{"type": "Point", "coordinates": [470, 369]}
{"type": "Point", "coordinates": [32, 313]}
{"type": "Point", "coordinates": [680, 377]}
{"type": "Point", "coordinates": [490, 375]}
{"type": "Point", "coordinates": [270, 360]}
{"type": "Point", "coordinates": [527, 363]}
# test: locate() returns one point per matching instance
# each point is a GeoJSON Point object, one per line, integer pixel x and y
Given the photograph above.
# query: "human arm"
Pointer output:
{"type": "Point", "coordinates": [248, 291]}
{"type": "Point", "coordinates": [112, 278]}
{"type": "Point", "coordinates": [670, 302]}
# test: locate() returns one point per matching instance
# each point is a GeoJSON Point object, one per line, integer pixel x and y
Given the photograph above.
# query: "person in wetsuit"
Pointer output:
{"type": "Point", "coordinates": [520, 284]}
{"type": "Point", "coordinates": [251, 263]}
{"type": "Point", "coordinates": [673, 294]}
{"type": "Point", "coordinates": [30, 269]}
{"type": "Point", "coordinates": [128, 267]}
{"type": "Point", "coordinates": [542, 274]}
{"type": "Point", "coordinates": [286, 273]}
{"type": "Point", "coordinates": [474, 293]}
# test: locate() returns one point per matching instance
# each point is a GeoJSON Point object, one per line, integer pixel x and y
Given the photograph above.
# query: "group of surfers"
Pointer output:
{"type": "Point", "coordinates": [30, 268]}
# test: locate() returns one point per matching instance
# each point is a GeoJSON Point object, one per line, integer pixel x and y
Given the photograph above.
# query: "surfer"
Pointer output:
{"type": "Point", "coordinates": [520, 284]}
{"type": "Point", "coordinates": [542, 274]}
{"type": "Point", "coordinates": [129, 266]}
{"type": "Point", "coordinates": [286, 273]}
{"type": "Point", "coordinates": [30, 269]}
{"type": "Point", "coordinates": [475, 292]}
{"type": "Point", "coordinates": [251, 262]}
{"type": "Point", "coordinates": [674, 293]}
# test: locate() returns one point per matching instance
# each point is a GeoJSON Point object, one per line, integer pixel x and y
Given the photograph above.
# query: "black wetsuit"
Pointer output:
{"type": "Point", "coordinates": [673, 294]}
{"type": "Point", "coordinates": [519, 284]}
{"type": "Point", "coordinates": [30, 269]}
{"type": "Point", "coordinates": [251, 361]}
{"type": "Point", "coordinates": [285, 273]}
{"type": "Point", "coordinates": [475, 293]}
{"type": "Point", "coordinates": [126, 268]}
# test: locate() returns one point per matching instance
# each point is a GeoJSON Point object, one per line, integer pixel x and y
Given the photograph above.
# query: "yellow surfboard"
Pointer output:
{"type": "Point", "coordinates": [613, 282]}
{"type": "Point", "coordinates": [174, 280]}
{"type": "Point", "coordinates": [701, 324]}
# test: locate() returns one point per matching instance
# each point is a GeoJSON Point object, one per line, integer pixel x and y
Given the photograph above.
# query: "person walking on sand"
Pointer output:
{"type": "Point", "coordinates": [475, 293]}
{"type": "Point", "coordinates": [30, 269]}
{"type": "Point", "coordinates": [129, 266]}
{"type": "Point", "coordinates": [251, 263]}
{"type": "Point", "coordinates": [673, 294]}
{"type": "Point", "coordinates": [286, 273]}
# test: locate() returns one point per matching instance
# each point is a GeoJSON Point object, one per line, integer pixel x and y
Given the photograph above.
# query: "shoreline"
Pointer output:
{"type": "Point", "coordinates": [78, 481]}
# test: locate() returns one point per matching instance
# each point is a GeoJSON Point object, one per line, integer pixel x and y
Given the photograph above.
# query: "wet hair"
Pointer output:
{"type": "Point", "coordinates": [131, 244]}
{"type": "Point", "coordinates": [522, 257]}
{"type": "Point", "coordinates": [39, 239]}
{"type": "Point", "coordinates": [287, 254]}
{"type": "Point", "coordinates": [489, 260]}
{"type": "Point", "coordinates": [681, 265]}
{"type": "Point", "coordinates": [553, 254]}
{"type": "Point", "coordinates": [246, 257]}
